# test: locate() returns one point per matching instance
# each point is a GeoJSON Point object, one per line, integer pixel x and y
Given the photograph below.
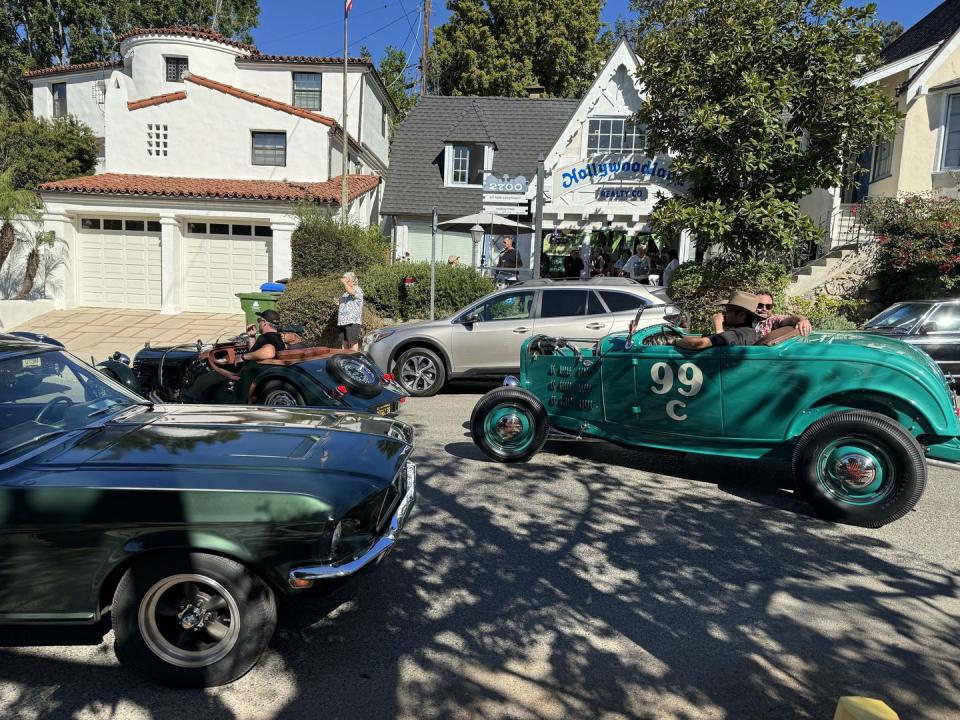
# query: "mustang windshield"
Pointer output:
{"type": "Point", "coordinates": [898, 318]}
{"type": "Point", "coordinates": [50, 393]}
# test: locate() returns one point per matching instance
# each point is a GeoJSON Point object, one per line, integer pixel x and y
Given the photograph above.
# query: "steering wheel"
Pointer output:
{"type": "Point", "coordinates": [50, 405]}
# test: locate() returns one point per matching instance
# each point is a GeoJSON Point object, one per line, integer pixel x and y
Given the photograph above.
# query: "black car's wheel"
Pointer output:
{"type": "Point", "coordinates": [278, 393]}
{"type": "Point", "coordinates": [420, 372]}
{"type": "Point", "coordinates": [509, 424]}
{"type": "Point", "coordinates": [860, 468]}
{"type": "Point", "coordinates": [356, 373]}
{"type": "Point", "coordinates": [192, 619]}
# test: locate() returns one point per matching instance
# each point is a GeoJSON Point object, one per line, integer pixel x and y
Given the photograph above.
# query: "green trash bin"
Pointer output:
{"type": "Point", "coordinates": [254, 302]}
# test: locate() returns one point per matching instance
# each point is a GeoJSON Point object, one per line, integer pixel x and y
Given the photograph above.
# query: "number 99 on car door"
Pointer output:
{"type": "Point", "coordinates": [678, 392]}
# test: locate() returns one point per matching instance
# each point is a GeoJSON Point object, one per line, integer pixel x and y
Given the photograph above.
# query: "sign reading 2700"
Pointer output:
{"type": "Point", "coordinates": [505, 184]}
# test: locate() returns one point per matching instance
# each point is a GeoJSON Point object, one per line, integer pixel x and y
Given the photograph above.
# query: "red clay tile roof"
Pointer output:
{"type": "Point", "coordinates": [262, 57]}
{"type": "Point", "coordinates": [79, 67]}
{"type": "Point", "coordinates": [187, 31]}
{"type": "Point", "coordinates": [121, 184]}
{"type": "Point", "coordinates": [258, 99]}
{"type": "Point", "coordinates": [157, 100]}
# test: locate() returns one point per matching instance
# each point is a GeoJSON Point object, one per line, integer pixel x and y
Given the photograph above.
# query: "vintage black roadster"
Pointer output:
{"type": "Point", "coordinates": [217, 373]}
{"type": "Point", "coordinates": [183, 522]}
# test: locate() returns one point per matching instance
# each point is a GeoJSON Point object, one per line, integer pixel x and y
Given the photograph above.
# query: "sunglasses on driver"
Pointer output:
{"type": "Point", "coordinates": [764, 306]}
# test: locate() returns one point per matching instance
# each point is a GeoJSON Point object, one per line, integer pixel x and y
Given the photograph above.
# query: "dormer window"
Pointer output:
{"type": "Point", "coordinates": [615, 135]}
{"type": "Point", "coordinates": [176, 67]}
{"type": "Point", "coordinates": [466, 163]}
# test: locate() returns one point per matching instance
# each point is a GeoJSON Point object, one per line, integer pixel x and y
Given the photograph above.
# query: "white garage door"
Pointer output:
{"type": "Point", "coordinates": [119, 263]}
{"type": "Point", "coordinates": [221, 260]}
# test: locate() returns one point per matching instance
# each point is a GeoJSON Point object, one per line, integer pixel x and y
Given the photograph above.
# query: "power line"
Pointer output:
{"type": "Point", "coordinates": [379, 29]}
{"type": "Point", "coordinates": [324, 25]}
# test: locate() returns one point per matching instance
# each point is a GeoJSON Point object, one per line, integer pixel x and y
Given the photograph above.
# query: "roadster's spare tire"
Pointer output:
{"type": "Point", "coordinates": [860, 468]}
{"type": "Point", "coordinates": [356, 373]}
{"type": "Point", "coordinates": [509, 424]}
{"type": "Point", "coordinates": [192, 619]}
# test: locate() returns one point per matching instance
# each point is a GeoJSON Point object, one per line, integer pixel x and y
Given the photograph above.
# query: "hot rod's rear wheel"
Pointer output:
{"type": "Point", "coordinates": [356, 373]}
{"type": "Point", "coordinates": [509, 424]}
{"type": "Point", "coordinates": [280, 394]}
{"type": "Point", "coordinates": [860, 468]}
{"type": "Point", "coordinates": [192, 619]}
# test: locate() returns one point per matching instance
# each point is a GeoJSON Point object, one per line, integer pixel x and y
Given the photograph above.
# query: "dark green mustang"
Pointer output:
{"type": "Point", "coordinates": [185, 522]}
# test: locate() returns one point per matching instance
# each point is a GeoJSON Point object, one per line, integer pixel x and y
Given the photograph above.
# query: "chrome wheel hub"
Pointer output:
{"type": "Point", "coordinates": [418, 373]}
{"type": "Point", "coordinates": [508, 427]}
{"type": "Point", "coordinates": [359, 372]}
{"type": "Point", "coordinates": [855, 470]}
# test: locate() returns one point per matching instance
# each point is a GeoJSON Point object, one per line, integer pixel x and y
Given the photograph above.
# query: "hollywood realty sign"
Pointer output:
{"type": "Point", "coordinates": [647, 171]}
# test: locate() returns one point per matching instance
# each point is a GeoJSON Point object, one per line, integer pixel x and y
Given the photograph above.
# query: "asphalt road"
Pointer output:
{"type": "Point", "coordinates": [594, 582]}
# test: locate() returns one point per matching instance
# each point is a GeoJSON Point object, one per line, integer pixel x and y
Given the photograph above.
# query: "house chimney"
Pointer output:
{"type": "Point", "coordinates": [535, 91]}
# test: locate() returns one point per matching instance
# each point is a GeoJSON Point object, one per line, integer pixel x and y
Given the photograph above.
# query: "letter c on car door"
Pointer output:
{"type": "Point", "coordinates": [672, 410]}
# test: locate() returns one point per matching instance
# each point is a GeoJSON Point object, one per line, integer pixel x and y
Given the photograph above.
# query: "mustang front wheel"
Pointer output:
{"type": "Point", "coordinates": [509, 424]}
{"type": "Point", "coordinates": [192, 620]}
{"type": "Point", "coordinates": [860, 468]}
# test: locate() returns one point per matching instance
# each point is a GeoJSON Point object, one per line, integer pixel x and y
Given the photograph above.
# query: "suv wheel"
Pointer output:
{"type": "Point", "coordinates": [420, 372]}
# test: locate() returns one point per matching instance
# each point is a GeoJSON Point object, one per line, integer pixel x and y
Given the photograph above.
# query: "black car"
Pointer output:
{"type": "Point", "coordinates": [931, 325]}
{"type": "Point", "coordinates": [184, 523]}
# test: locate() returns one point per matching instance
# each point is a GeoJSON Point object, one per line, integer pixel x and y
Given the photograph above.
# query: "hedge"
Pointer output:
{"type": "Point", "coordinates": [385, 290]}
{"type": "Point", "coordinates": [313, 303]}
{"type": "Point", "coordinates": [322, 247]}
{"type": "Point", "coordinates": [700, 287]}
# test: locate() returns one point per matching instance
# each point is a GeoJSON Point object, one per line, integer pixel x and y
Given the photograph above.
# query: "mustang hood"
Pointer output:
{"type": "Point", "coordinates": [341, 457]}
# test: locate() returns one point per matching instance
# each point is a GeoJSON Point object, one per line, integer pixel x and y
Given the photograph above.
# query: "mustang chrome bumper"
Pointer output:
{"type": "Point", "coordinates": [376, 552]}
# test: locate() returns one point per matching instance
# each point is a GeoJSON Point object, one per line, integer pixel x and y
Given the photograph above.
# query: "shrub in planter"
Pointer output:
{"type": "Point", "coordinates": [313, 303]}
{"type": "Point", "coordinates": [699, 287]}
{"type": "Point", "coordinates": [826, 312]}
{"type": "Point", "coordinates": [322, 247]}
{"type": "Point", "coordinates": [390, 296]}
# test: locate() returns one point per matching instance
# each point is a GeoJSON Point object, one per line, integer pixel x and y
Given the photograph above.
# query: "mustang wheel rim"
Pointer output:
{"type": "Point", "coordinates": [856, 471]}
{"type": "Point", "coordinates": [189, 620]}
{"type": "Point", "coordinates": [418, 373]}
{"type": "Point", "coordinates": [509, 428]}
{"type": "Point", "coordinates": [360, 372]}
{"type": "Point", "coordinates": [281, 398]}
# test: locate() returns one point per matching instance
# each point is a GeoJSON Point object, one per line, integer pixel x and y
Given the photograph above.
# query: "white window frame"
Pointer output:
{"type": "Point", "coordinates": [253, 147]}
{"type": "Point", "coordinates": [877, 171]}
{"type": "Point", "coordinates": [318, 91]}
{"type": "Point", "coordinates": [64, 111]}
{"type": "Point", "coordinates": [448, 163]}
{"type": "Point", "coordinates": [945, 134]}
{"type": "Point", "coordinates": [639, 131]}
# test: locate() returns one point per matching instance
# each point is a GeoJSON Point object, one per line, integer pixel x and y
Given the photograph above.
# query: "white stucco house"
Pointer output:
{"type": "Point", "coordinates": [206, 144]}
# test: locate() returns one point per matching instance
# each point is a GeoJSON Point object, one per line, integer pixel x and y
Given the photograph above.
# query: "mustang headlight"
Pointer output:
{"type": "Point", "coordinates": [378, 335]}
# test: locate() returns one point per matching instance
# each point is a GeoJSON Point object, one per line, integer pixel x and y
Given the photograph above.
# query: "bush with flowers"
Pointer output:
{"type": "Point", "coordinates": [919, 244]}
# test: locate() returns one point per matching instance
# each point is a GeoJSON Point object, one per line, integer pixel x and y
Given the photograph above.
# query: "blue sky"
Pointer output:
{"type": "Point", "coordinates": [314, 27]}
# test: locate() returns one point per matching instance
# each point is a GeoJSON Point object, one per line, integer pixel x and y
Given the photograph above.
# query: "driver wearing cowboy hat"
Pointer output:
{"type": "Point", "coordinates": [741, 312]}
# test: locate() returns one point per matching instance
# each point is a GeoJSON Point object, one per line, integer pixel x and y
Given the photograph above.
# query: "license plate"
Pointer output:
{"type": "Point", "coordinates": [383, 409]}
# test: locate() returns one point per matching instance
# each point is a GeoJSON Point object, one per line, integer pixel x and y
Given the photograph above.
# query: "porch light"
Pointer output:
{"type": "Point", "coordinates": [476, 232]}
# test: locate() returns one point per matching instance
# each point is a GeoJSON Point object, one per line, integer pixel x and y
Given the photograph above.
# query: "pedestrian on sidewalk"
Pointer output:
{"type": "Point", "coordinates": [350, 312]}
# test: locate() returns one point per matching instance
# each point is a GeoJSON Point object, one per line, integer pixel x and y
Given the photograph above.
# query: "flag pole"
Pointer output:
{"type": "Point", "coordinates": [344, 193]}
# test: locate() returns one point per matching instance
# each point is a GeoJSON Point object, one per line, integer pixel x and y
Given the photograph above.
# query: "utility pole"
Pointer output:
{"type": "Point", "coordinates": [424, 61]}
{"type": "Point", "coordinates": [538, 224]}
{"type": "Point", "coordinates": [345, 148]}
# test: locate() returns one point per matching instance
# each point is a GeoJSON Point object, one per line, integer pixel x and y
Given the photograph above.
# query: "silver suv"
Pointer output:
{"type": "Point", "coordinates": [484, 339]}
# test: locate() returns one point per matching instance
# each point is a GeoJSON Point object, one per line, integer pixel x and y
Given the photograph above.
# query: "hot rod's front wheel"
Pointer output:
{"type": "Point", "coordinates": [860, 468]}
{"type": "Point", "coordinates": [509, 424]}
{"type": "Point", "coordinates": [192, 619]}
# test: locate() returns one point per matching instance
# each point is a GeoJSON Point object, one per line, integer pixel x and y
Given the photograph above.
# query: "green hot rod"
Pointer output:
{"type": "Point", "coordinates": [857, 415]}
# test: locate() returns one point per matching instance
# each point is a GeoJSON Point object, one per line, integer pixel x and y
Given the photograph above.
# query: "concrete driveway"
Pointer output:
{"type": "Point", "coordinates": [99, 332]}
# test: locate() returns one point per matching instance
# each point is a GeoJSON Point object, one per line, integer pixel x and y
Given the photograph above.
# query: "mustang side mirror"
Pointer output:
{"type": "Point", "coordinates": [928, 327]}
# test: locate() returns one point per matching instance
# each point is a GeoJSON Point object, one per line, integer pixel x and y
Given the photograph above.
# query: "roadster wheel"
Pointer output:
{"type": "Point", "coordinates": [421, 372]}
{"type": "Point", "coordinates": [509, 425]}
{"type": "Point", "coordinates": [280, 394]}
{"type": "Point", "coordinates": [860, 468]}
{"type": "Point", "coordinates": [192, 620]}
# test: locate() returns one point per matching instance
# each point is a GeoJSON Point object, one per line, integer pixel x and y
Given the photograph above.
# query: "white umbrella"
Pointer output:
{"type": "Point", "coordinates": [490, 222]}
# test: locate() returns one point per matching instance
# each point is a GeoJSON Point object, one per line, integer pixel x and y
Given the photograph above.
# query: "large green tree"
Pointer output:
{"type": "Point", "coordinates": [36, 151]}
{"type": "Point", "coordinates": [757, 100]}
{"type": "Point", "coordinates": [400, 80]}
{"type": "Point", "coordinates": [37, 33]}
{"type": "Point", "coordinates": [501, 47]}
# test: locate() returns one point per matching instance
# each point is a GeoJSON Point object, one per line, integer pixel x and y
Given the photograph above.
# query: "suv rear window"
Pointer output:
{"type": "Point", "coordinates": [621, 301]}
{"type": "Point", "coordinates": [563, 303]}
